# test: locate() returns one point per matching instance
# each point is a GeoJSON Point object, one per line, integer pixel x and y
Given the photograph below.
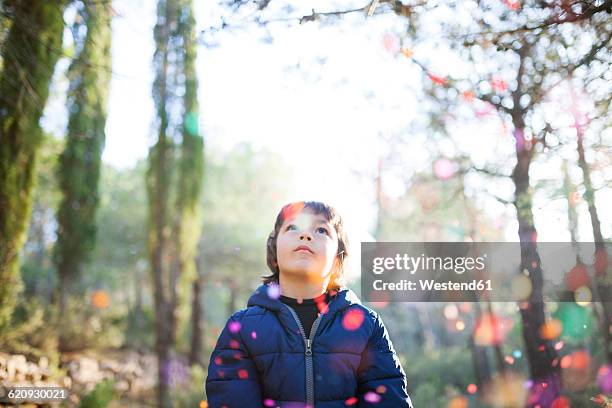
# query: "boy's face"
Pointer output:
{"type": "Point", "coordinates": [306, 246]}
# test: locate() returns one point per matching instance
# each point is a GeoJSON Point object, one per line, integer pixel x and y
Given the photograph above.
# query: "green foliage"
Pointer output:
{"type": "Point", "coordinates": [30, 333]}
{"type": "Point", "coordinates": [187, 223]}
{"type": "Point", "coordinates": [35, 34]}
{"type": "Point", "coordinates": [37, 270]}
{"type": "Point", "coordinates": [86, 327]}
{"type": "Point", "coordinates": [120, 255]}
{"type": "Point", "coordinates": [451, 367]}
{"type": "Point", "coordinates": [100, 397]}
{"type": "Point", "coordinates": [79, 169]}
{"type": "Point", "coordinates": [427, 395]}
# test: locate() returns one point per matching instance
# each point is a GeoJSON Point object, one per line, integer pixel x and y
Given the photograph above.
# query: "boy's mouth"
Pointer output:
{"type": "Point", "coordinates": [303, 248]}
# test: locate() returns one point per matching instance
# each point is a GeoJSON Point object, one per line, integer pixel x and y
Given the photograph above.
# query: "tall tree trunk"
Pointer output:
{"type": "Point", "coordinates": [174, 218]}
{"type": "Point", "coordinates": [79, 164]}
{"type": "Point", "coordinates": [604, 289]}
{"type": "Point", "coordinates": [158, 186]}
{"type": "Point", "coordinates": [197, 318]}
{"type": "Point", "coordinates": [29, 54]}
{"type": "Point", "coordinates": [233, 294]}
{"type": "Point", "coordinates": [540, 353]}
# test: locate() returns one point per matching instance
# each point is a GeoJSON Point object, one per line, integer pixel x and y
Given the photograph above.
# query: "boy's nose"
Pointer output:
{"type": "Point", "coordinates": [306, 236]}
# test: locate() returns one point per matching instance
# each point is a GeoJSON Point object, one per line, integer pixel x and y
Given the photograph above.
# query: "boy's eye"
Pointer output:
{"type": "Point", "coordinates": [322, 230]}
{"type": "Point", "coordinates": [290, 227]}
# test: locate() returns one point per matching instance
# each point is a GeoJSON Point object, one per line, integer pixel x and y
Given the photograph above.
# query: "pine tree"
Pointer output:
{"type": "Point", "coordinates": [29, 53]}
{"type": "Point", "coordinates": [79, 165]}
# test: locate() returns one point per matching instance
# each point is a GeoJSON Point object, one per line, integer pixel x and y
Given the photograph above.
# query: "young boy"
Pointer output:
{"type": "Point", "coordinates": [304, 340]}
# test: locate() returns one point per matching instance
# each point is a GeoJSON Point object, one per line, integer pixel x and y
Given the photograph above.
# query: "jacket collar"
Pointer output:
{"type": "Point", "coordinates": [266, 296]}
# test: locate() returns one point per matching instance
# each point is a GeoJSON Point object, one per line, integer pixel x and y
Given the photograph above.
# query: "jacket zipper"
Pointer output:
{"type": "Point", "coordinates": [308, 355]}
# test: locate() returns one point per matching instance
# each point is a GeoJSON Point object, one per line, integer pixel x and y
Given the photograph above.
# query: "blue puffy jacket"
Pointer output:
{"type": "Point", "coordinates": [263, 359]}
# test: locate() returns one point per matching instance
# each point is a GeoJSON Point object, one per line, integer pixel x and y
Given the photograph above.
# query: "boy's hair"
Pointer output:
{"type": "Point", "coordinates": [332, 216]}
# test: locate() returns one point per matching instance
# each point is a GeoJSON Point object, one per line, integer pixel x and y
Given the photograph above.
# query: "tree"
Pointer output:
{"type": "Point", "coordinates": [158, 189]}
{"type": "Point", "coordinates": [512, 66]}
{"type": "Point", "coordinates": [79, 165]}
{"type": "Point", "coordinates": [29, 53]}
{"type": "Point", "coordinates": [174, 178]}
{"type": "Point", "coordinates": [187, 224]}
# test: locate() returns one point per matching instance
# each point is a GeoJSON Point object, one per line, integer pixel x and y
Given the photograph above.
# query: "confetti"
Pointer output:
{"type": "Point", "coordinates": [371, 397]}
{"type": "Point", "coordinates": [436, 79]}
{"type": "Point", "coordinates": [100, 299]}
{"type": "Point", "coordinates": [604, 378]}
{"type": "Point", "coordinates": [353, 319]}
{"type": "Point", "coordinates": [499, 85]}
{"type": "Point", "coordinates": [391, 43]}
{"type": "Point", "coordinates": [407, 52]}
{"type": "Point", "coordinates": [513, 5]}
{"type": "Point", "coordinates": [234, 326]}
{"type": "Point", "coordinates": [273, 291]}
{"type": "Point", "coordinates": [468, 96]}
{"type": "Point", "coordinates": [551, 329]}
{"type": "Point", "coordinates": [444, 169]}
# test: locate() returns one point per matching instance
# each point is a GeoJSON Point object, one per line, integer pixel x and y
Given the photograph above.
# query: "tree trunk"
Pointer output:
{"type": "Point", "coordinates": [29, 54]}
{"type": "Point", "coordinates": [79, 164]}
{"type": "Point", "coordinates": [540, 353]}
{"type": "Point", "coordinates": [233, 294]}
{"type": "Point", "coordinates": [197, 318]}
{"type": "Point", "coordinates": [158, 190]}
{"type": "Point", "coordinates": [602, 287]}
{"type": "Point", "coordinates": [482, 370]}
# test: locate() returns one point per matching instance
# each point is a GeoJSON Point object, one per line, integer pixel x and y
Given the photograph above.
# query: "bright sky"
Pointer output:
{"type": "Point", "coordinates": [326, 119]}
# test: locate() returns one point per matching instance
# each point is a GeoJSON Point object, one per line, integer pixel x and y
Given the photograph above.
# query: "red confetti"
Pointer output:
{"type": "Point", "coordinates": [243, 374]}
{"type": "Point", "coordinates": [472, 388]}
{"type": "Point", "coordinates": [353, 319]}
{"type": "Point", "coordinates": [577, 277]}
{"type": "Point", "coordinates": [513, 4]}
{"type": "Point", "coordinates": [290, 211]}
{"type": "Point", "coordinates": [436, 79]}
{"type": "Point", "coordinates": [351, 401]}
{"type": "Point", "coordinates": [468, 96]}
{"type": "Point", "coordinates": [499, 85]}
{"type": "Point", "coordinates": [561, 402]}
{"type": "Point", "coordinates": [234, 344]}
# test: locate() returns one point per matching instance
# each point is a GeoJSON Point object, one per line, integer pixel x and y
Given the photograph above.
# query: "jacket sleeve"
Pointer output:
{"type": "Point", "coordinates": [380, 378]}
{"type": "Point", "coordinates": [232, 379]}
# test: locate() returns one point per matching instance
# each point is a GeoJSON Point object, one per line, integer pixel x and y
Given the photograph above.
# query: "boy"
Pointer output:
{"type": "Point", "coordinates": [304, 340]}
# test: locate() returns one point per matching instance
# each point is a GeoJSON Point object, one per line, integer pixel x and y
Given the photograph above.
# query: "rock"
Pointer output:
{"type": "Point", "coordinates": [86, 370]}
{"type": "Point", "coordinates": [3, 359]}
{"type": "Point", "coordinates": [16, 364]}
{"type": "Point", "coordinates": [43, 363]}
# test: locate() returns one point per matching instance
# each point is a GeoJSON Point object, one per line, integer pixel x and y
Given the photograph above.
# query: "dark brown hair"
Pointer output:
{"type": "Point", "coordinates": [332, 216]}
